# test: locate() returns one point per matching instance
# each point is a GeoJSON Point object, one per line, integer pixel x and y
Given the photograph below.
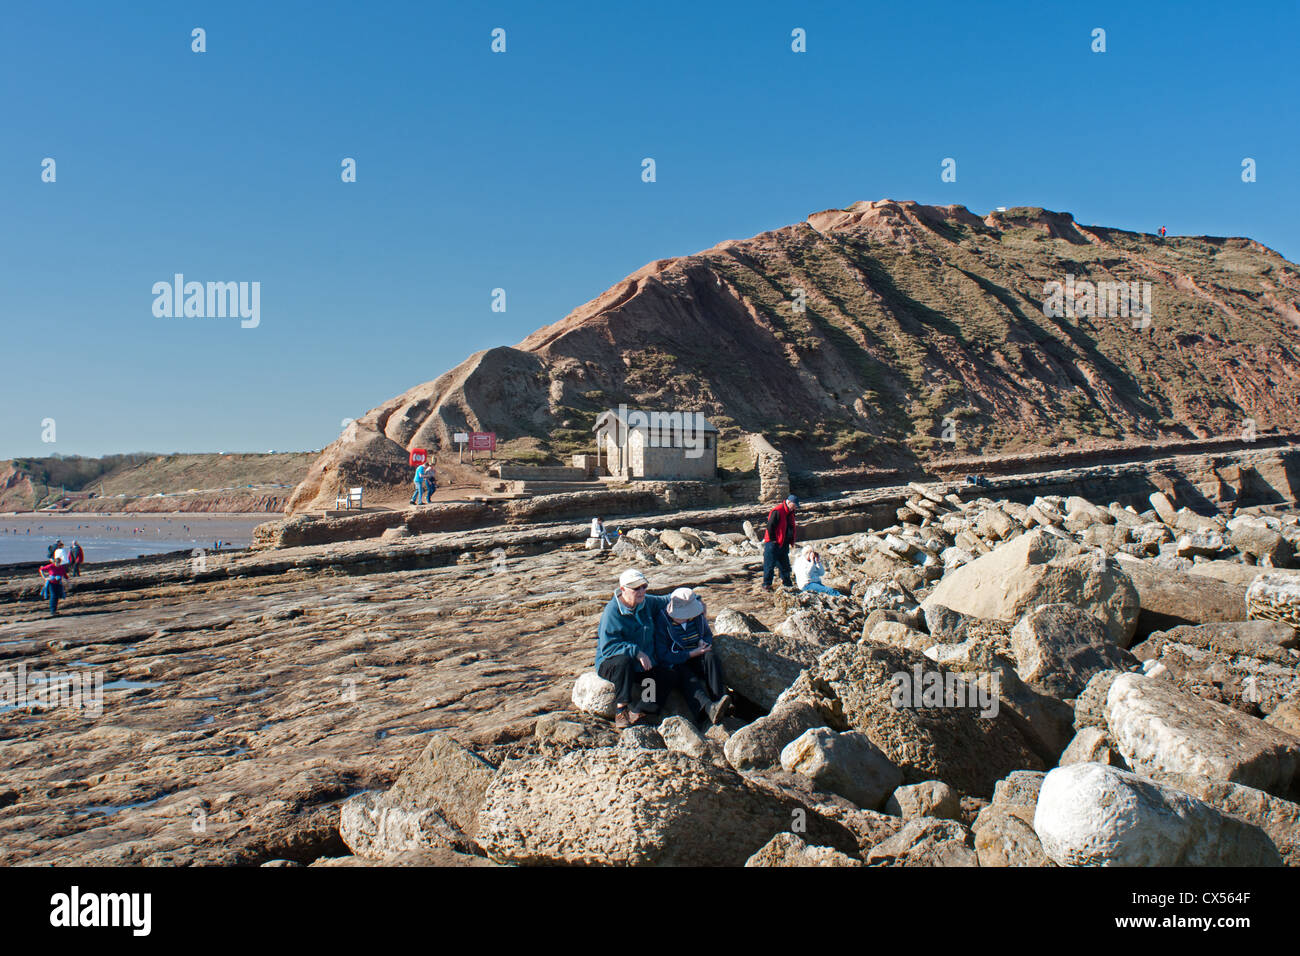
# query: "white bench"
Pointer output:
{"type": "Point", "coordinates": [349, 501]}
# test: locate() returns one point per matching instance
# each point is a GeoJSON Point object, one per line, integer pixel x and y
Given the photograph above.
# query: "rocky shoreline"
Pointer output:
{"type": "Point", "coordinates": [1126, 693]}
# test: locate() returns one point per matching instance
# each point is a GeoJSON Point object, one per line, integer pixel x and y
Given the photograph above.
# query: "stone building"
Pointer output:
{"type": "Point", "coordinates": [656, 445]}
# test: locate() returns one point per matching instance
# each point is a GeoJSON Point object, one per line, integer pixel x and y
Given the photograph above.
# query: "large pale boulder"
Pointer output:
{"type": "Point", "coordinates": [848, 764]}
{"type": "Point", "coordinates": [1039, 568]}
{"type": "Point", "coordinates": [869, 687]}
{"type": "Point", "coordinates": [433, 803]}
{"type": "Point", "coordinates": [1158, 728]}
{"type": "Point", "coordinates": [1093, 815]}
{"type": "Point", "coordinates": [1059, 647]}
{"type": "Point", "coordinates": [592, 694]}
{"type": "Point", "coordinates": [787, 849]}
{"type": "Point", "coordinates": [616, 807]}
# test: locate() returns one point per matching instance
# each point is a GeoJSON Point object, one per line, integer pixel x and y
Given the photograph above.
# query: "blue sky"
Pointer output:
{"type": "Point", "coordinates": [522, 171]}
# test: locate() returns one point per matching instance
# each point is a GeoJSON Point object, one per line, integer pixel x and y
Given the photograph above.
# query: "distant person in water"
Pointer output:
{"type": "Point", "coordinates": [53, 574]}
{"type": "Point", "coordinates": [808, 571]}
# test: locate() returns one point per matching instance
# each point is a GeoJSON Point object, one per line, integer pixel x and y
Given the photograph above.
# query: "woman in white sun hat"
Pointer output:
{"type": "Point", "coordinates": [684, 645]}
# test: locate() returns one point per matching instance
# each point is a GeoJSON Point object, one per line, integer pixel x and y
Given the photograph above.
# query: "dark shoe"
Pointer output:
{"type": "Point", "coordinates": [621, 719]}
{"type": "Point", "coordinates": [719, 709]}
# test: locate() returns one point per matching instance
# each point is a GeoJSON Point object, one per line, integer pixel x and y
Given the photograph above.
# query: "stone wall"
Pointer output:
{"type": "Point", "coordinates": [773, 479]}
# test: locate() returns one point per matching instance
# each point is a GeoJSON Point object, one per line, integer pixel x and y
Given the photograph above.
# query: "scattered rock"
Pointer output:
{"type": "Point", "coordinates": [641, 737]}
{"type": "Point", "coordinates": [681, 735]}
{"type": "Point", "coordinates": [758, 745]}
{"type": "Point", "coordinates": [926, 842]}
{"type": "Point", "coordinates": [848, 764]}
{"type": "Point", "coordinates": [1060, 647]}
{"type": "Point", "coordinates": [931, 798]}
{"type": "Point", "coordinates": [1091, 745]}
{"type": "Point", "coordinates": [433, 803]}
{"type": "Point", "coordinates": [645, 807]}
{"type": "Point", "coordinates": [853, 687]}
{"type": "Point", "coordinates": [786, 849]}
{"type": "Point", "coordinates": [1280, 819]}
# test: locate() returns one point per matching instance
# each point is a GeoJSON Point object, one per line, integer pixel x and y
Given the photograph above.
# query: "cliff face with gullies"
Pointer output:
{"type": "Point", "coordinates": [923, 336]}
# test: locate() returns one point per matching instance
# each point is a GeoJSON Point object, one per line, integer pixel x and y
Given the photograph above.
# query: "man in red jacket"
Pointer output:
{"type": "Point", "coordinates": [777, 540]}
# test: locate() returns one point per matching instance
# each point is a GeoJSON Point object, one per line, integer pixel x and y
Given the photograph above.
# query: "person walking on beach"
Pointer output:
{"type": "Point", "coordinates": [53, 574]}
{"type": "Point", "coordinates": [777, 539]}
{"type": "Point", "coordinates": [77, 557]}
{"type": "Point", "coordinates": [430, 480]}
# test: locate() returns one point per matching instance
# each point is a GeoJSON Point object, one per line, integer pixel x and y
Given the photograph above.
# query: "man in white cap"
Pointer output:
{"type": "Point", "coordinates": [625, 649]}
{"type": "Point", "coordinates": [685, 648]}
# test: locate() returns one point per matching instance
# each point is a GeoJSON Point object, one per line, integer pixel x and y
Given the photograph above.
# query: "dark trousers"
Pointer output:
{"type": "Point", "coordinates": [630, 687]}
{"type": "Point", "coordinates": [54, 591]}
{"type": "Point", "coordinates": [700, 680]}
{"type": "Point", "coordinates": [776, 556]}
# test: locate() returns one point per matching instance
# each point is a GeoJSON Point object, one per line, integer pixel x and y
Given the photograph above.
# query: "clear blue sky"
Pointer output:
{"type": "Point", "coordinates": [522, 170]}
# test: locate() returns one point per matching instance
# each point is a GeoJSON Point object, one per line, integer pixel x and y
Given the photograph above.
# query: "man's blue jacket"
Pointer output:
{"type": "Point", "coordinates": [627, 632]}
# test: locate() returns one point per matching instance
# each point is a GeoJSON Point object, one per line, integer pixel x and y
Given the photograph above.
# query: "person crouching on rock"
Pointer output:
{"type": "Point", "coordinates": [626, 647]}
{"type": "Point", "coordinates": [685, 647]}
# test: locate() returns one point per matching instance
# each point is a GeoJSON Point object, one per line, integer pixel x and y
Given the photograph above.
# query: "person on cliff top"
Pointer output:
{"type": "Point", "coordinates": [684, 645]}
{"type": "Point", "coordinates": [777, 539]}
{"type": "Point", "coordinates": [808, 571]}
{"type": "Point", "coordinates": [625, 650]}
{"type": "Point", "coordinates": [53, 574]}
{"type": "Point", "coordinates": [421, 489]}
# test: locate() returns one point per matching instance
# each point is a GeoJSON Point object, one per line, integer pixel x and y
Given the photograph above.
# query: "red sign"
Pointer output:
{"type": "Point", "coordinates": [418, 456]}
{"type": "Point", "coordinates": [483, 441]}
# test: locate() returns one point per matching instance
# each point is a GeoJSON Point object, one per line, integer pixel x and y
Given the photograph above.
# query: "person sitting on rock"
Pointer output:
{"type": "Point", "coordinates": [808, 571]}
{"type": "Point", "coordinates": [599, 533]}
{"type": "Point", "coordinates": [685, 646]}
{"type": "Point", "coordinates": [625, 649]}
